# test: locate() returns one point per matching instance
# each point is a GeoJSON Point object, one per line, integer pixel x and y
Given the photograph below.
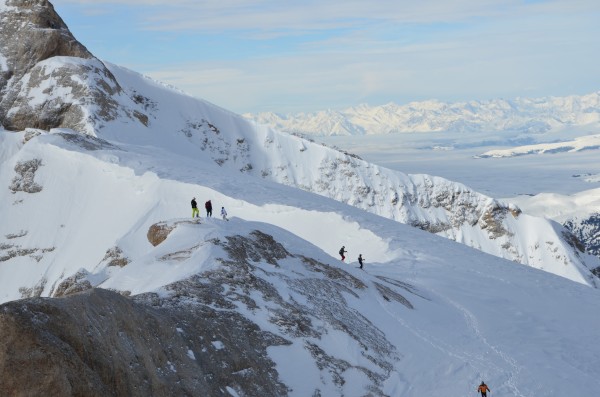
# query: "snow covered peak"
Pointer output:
{"type": "Point", "coordinates": [520, 114]}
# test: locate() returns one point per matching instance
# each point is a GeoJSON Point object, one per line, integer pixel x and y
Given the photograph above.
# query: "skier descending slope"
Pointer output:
{"type": "Point", "coordinates": [483, 389]}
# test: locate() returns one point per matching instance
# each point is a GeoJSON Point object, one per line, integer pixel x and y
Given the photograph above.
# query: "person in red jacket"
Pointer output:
{"type": "Point", "coordinates": [483, 389]}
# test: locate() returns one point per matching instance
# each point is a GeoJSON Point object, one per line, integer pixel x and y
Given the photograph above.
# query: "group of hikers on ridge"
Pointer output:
{"type": "Point", "coordinates": [208, 207]}
{"type": "Point", "coordinates": [360, 257]}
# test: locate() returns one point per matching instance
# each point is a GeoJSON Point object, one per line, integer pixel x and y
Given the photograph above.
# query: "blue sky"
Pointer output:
{"type": "Point", "coordinates": [293, 56]}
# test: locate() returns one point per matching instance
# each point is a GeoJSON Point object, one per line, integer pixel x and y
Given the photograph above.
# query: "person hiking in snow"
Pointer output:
{"type": "Point", "coordinates": [483, 389]}
{"type": "Point", "coordinates": [208, 206]}
{"type": "Point", "coordinates": [224, 214]}
{"type": "Point", "coordinates": [360, 260]}
{"type": "Point", "coordinates": [342, 252]}
{"type": "Point", "coordinates": [195, 212]}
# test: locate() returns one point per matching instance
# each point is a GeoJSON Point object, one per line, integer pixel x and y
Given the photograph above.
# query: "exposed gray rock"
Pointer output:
{"type": "Point", "coordinates": [71, 285]}
{"type": "Point", "coordinates": [115, 257]}
{"type": "Point", "coordinates": [31, 31]}
{"type": "Point", "coordinates": [44, 61]}
{"type": "Point", "coordinates": [24, 180]}
{"type": "Point", "coordinates": [587, 232]}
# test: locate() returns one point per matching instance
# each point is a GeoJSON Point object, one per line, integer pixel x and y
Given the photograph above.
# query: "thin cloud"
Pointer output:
{"type": "Point", "coordinates": [295, 56]}
{"type": "Point", "coordinates": [289, 16]}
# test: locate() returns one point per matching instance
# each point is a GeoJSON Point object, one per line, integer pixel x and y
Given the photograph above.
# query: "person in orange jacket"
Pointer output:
{"type": "Point", "coordinates": [483, 389]}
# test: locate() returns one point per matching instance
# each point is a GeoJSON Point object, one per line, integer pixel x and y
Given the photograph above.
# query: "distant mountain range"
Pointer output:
{"type": "Point", "coordinates": [534, 115]}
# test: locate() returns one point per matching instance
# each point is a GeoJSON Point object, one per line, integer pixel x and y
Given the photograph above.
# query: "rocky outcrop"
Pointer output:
{"type": "Point", "coordinates": [99, 343]}
{"type": "Point", "coordinates": [204, 335]}
{"type": "Point", "coordinates": [24, 180]}
{"type": "Point", "coordinates": [44, 62]}
{"type": "Point", "coordinates": [587, 232]}
{"type": "Point", "coordinates": [158, 232]}
{"type": "Point", "coordinates": [32, 31]}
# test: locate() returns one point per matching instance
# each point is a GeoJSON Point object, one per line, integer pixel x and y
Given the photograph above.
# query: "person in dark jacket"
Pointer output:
{"type": "Point", "coordinates": [360, 260]}
{"type": "Point", "coordinates": [195, 212]}
{"type": "Point", "coordinates": [342, 252]}
{"type": "Point", "coordinates": [208, 206]}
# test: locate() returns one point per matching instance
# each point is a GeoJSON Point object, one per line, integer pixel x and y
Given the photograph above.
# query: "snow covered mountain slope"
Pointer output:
{"type": "Point", "coordinates": [144, 300]}
{"type": "Point", "coordinates": [579, 213]}
{"type": "Point", "coordinates": [246, 308]}
{"type": "Point", "coordinates": [141, 125]}
{"type": "Point", "coordinates": [430, 203]}
{"type": "Point", "coordinates": [521, 114]}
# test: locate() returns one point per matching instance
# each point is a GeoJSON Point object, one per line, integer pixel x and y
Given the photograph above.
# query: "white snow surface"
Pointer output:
{"type": "Point", "coordinates": [580, 143]}
{"type": "Point", "coordinates": [561, 207]}
{"type": "Point", "coordinates": [476, 316]}
{"type": "Point", "coordinates": [187, 139]}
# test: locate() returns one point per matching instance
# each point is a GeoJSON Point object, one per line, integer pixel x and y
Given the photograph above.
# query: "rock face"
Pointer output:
{"type": "Point", "coordinates": [47, 78]}
{"type": "Point", "coordinates": [204, 335]}
{"type": "Point", "coordinates": [99, 343]}
{"type": "Point", "coordinates": [33, 32]}
{"type": "Point", "coordinates": [587, 231]}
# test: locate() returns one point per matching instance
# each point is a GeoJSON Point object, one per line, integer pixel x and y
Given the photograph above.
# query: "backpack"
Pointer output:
{"type": "Point", "coordinates": [342, 251]}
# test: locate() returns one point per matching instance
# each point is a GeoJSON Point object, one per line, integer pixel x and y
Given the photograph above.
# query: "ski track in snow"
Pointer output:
{"type": "Point", "coordinates": [436, 343]}
{"type": "Point", "coordinates": [477, 361]}
{"type": "Point", "coordinates": [473, 325]}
